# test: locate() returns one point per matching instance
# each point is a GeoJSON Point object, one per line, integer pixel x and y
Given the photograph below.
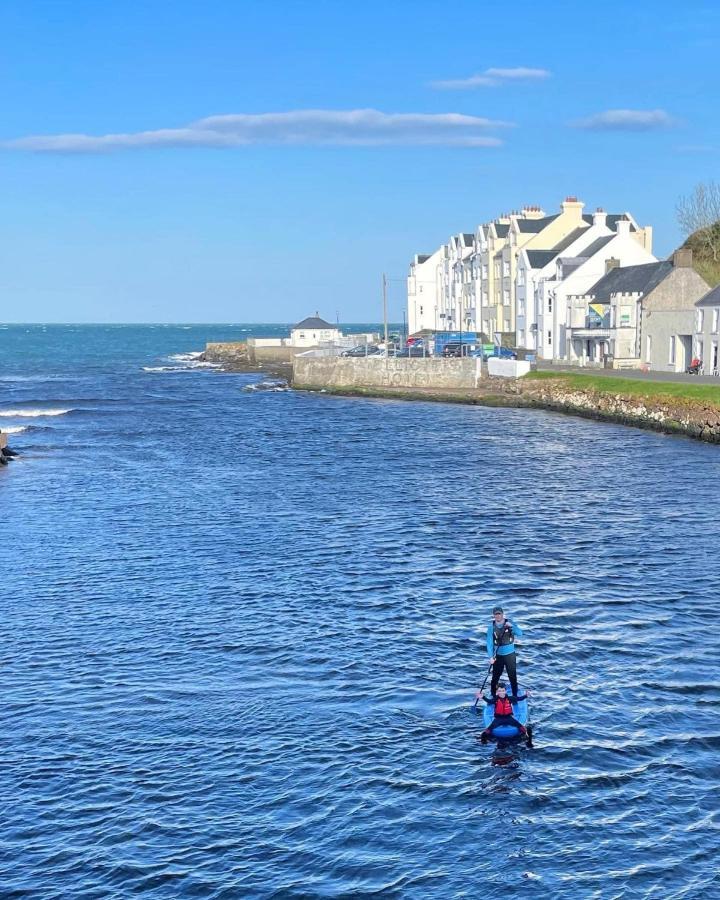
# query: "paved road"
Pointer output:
{"type": "Point", "coordinates": [633, 373]}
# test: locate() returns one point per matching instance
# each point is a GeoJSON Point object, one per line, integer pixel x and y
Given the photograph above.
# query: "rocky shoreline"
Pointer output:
{"type": "Point", "coordinates": [234, 357]}
{"type": "Point", "coordinates": [6, 454]}
{"type": "Point", "coordinates": [669, 416]}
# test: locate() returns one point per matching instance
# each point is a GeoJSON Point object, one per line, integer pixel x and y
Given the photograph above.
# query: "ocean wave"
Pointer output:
{"type": "Point", "coordinates": [31, 413]}
{"type": "Point", "coordinates": [186, 357]}
{"type": "Point", "coordinates": [188, 367]}
{"type": "Point", "coordinates": [14, 429]}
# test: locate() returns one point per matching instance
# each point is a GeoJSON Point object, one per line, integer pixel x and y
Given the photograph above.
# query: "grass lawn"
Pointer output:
{"type": "Point", "coordinates": [706, 394]}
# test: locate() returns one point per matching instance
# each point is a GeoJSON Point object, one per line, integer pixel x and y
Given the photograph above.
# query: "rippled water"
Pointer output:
{"type": "Point", "coordinates": [241, 633]}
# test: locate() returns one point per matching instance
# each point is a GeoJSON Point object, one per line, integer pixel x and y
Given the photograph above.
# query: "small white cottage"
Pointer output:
{"type": "Point", "coordinates": [314, 331]}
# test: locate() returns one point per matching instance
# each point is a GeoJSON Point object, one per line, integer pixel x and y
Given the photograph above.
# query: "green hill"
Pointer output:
{"type": "Point", "coordinates": [703, 261]}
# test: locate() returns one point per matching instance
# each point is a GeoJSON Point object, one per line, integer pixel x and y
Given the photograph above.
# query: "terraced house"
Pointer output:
{"type": "Point", "coordinates": [505, 279]}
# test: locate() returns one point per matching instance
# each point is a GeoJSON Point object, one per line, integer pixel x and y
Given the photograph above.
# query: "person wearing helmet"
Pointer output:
{"type": "Point", "coordinates": [501, 649]}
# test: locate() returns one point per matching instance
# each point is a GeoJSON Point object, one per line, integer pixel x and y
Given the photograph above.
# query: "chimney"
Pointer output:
{"type": "Point", "coordinates": [611, 263]}
{"type": "Point", "coordinates": [532, 212]}
{"type": "Point", "coordinates": [573, 207]}
{"type": "Point", "coordinates": [600, 217]}
{"type": "Point", "coordinates": [623, 227]}
{"type": "Point", "coordinates": [682, 259]}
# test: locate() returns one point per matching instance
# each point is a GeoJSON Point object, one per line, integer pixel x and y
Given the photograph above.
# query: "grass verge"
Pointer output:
{"type": "Point", "coordinates": [705, 394]}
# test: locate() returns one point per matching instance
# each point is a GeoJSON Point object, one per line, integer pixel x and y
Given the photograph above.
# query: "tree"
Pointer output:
{"type": "Point", "coordinates": [698, 215]}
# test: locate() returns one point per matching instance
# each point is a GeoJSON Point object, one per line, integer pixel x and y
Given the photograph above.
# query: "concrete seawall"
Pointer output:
{"type": "Point", "coordinates": [458, 381]}
{"type": "Point", "coordinates": [336, 372]}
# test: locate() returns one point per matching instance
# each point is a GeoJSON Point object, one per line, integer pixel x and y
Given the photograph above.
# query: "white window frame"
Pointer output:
{"type": "Point", "coordinates": [673, 350]}
{"type": "Point", "coordinates": [648, 348]}
{"type": "Point", "coordinates": [715, 320]}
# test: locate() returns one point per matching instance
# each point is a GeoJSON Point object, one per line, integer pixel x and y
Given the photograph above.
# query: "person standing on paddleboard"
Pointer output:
{"type": "Point", "coordinates": [501, 649]}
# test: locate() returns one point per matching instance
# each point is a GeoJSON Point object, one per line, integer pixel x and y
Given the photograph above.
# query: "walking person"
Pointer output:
{"type": "Point", "coordinates": [501, 649]}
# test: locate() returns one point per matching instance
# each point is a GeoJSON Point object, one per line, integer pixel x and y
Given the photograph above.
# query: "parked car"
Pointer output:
{"type": "Point", "coordinates": [496, 353]}
{"type": "Point", "coordinates": [413, 351]}
{"type": "Point", "coordinates": [361, 350]}
{"type": "Point", "coordinates": [455, 348]}
{"type": "Point", "coordinates": [415, 342]}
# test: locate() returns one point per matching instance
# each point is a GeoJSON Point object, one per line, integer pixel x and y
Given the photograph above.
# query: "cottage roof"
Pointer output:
{"type": "Point", "coordinates": [534, 225]}
{"type": "Point", "coordinates": [313, 322]}
{"type": "Point", "coordinates": [631, 280]}
{"type": "Point", "coordinates": [712, 298]}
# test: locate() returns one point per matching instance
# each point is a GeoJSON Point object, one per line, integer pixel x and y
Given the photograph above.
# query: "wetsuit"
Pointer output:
{"type": "Point", "coordinates": [500, 644]}
{"type": "Point", "coordinates": [500, 719]}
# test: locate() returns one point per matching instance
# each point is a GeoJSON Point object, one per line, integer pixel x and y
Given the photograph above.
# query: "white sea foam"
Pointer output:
{"type": "Point", "coordinates": [14, 429]}
{"type": "Point", "coordinates": [31, 413]}
{"type": "Point", "coordinates": [186, 357]}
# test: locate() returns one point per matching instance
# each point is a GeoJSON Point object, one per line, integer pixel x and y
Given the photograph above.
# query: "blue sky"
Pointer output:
{"type": "Point", "coordinates": [252, 217]}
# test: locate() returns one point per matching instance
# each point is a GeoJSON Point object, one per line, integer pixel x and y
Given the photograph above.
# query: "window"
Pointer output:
{"type": "Point", "coordinates": [484, 271]}
{"type": "Point", "coordinates": [549, 338]}
{"type": "Point", "coordinates": [506, 297]}
{"type": "Point", "coordinates": [672, 350]}
{"type": "Point", "coordinates": [497, 270]}
{"type": "Point", "coordinates": [506, 269]}
{"type": "Point", "coordinates": [699, 348]}
{"type": "Point", "coordinates": [714, 357]}
{"type": "Point", "coordinates": [699, 316]}
{"type": "Point", "coordinates": [715, 320]}
{"type": "Point", "coordinates": [549, 304]}
{"type": "Point", "coordinates": [521, 276]}
{"type": "Point", "coordinates": [648, 348]}
{"type": "Point", "coordinates": [507, 324]}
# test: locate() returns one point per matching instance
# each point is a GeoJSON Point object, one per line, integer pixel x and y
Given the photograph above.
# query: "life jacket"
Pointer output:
{"type": "Point", "coordinates": [503, 707]}
{"type": "Point", "coordinates": [502, 636]}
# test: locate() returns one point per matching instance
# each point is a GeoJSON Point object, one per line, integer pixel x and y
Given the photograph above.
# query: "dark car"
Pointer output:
{"type": "Point", "coordinates": [361, 350]}
{"type": "Point", "coordinates": [455, 348]}
{"type": "Point", "coordinates": [414, 351]}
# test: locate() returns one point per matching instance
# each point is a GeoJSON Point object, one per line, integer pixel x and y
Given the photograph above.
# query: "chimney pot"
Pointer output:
{"type": "Point", "coordinates": [611, 263]}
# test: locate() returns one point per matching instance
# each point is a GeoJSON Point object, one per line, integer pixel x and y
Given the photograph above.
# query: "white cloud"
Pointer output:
{"type": "Point", "coordinates": [320, 127]}
{"type": "Point", "coordinates": [491, 78]}
{"type": "Point", "coordinates": [627, 120]}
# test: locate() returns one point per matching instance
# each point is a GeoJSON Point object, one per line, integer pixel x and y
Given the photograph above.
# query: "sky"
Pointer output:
{"type": "Point", "coordinates": [243, 161]}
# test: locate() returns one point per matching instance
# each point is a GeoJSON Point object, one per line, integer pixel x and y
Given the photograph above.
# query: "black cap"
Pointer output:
{"type": "Point", "coordinates": [497, 609]}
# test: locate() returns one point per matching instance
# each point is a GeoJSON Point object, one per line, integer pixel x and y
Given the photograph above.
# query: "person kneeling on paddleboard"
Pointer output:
{"type": "Point", "coordinates": [504, 714]}
{"type": "Point", "coordinates": [501, 649]}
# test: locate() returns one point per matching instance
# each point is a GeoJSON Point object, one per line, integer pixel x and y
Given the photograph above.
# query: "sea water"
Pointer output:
{"type": "Point", "coordinates": [241, 634]}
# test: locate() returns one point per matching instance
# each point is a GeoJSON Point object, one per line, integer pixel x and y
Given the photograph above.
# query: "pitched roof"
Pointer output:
{"type": "Point", "coordinates": [313, 322]}
{"type": "Point", "coordinates": [501, 229]}
{"type": "Point", "coordinates": [423, 257]}
{"type": "Point", "coordinates": [538, 259]}
{"type": "Point", "coordinates": [535, 225]}
{"type": "Point", "coordinates": [469, 239]}
{"type": "Point", "coordinates": [712, 298]}
{"type": "Point", "coordinates": [611, 220]}
{"type": "Point", "coordinates": [596, 246]}
{"type": "Point", "coordinates": [630, 280]}
{"type": "Point", "coordinates": [569, 239]}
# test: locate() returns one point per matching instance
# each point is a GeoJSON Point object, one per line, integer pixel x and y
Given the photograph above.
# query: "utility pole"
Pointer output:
{"type": "Point", "coordinates": [385, 321]}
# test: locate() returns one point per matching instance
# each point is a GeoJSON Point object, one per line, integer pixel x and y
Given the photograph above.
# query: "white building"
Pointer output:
{"type": "Point", "coordinates": [314, 331]}
{"type": "Point", "coordinates": [574, 275]}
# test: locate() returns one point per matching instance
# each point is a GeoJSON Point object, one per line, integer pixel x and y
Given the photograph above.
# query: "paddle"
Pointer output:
{"type": "Point", "coordinates": [477, 699]}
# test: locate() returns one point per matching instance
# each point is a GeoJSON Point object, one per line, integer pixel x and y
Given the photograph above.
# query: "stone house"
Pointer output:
{"type": "Point", "coordinates": [707, 325]}
{"type": "Point", "coordinates": [640, 316]}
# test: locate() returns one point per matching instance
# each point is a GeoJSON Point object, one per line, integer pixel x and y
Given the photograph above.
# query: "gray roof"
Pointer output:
{"type": "Point", "coordinates": [630, 280]}
{"type": "Point", "coordinates": [596, 246]}
{"type": "Point", "coordinates": [501, 229]}
{"type": "Point", "coordinates": [469, 239]}
{"type": "Point", "coordinates": [538, 259]}
{"type": "Point", "coordinates": [423, 257]}
{"type": "Point", "coordinates": [611, 220]}
{"type": "Point", "coordinates": [313, 322]}
{"type": "Point", "coordinates": [712, 298]}
{"type": "Point", "coordinates": [569, 239]}
{"type": "Point", "coordinates": [535, 225]}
